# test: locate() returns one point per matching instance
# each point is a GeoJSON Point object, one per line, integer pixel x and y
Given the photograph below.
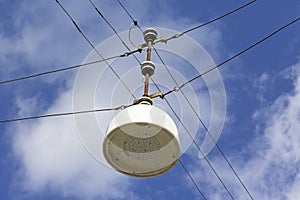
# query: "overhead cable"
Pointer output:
{"type": "Point", "coordinates": [69, 68]}
{"type": "Point", "coordinates": [94, 48]}
{"type": "Point", "coordinates": [124, 8]}
{"type": "Point", "coordinates": [177, 88]}
{"type": "Point", "coordinates": [111, 27]}
{"type": "Point", "coordinates": [206, 129]}
{"type": "Point", "coordinates": [192, 179]}
{"type": "Point", "coordinates": [64, 114]}
{"type": "Point", "coordinates": [179, 118]}
{"type": "Point", "coordinates": [211, 21]}
{"type": "Point", "coordinates": [199, 149]}
{"type": "Point", "coordinates": [193, 28]}
{"type": "Point", "coordinates": [208, 132]}
{"type": "Point", "coordinates": [114, 30]}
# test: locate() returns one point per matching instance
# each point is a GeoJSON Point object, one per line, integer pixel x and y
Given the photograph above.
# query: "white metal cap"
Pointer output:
{"type": "Point", "coordinates": [142, 141]}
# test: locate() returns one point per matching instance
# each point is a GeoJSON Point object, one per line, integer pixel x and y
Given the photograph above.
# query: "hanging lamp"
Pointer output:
{"type": "Point", "coordinates": [142, 140]}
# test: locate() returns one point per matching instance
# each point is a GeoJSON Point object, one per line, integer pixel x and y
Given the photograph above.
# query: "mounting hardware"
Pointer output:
{"type": "Point", "coordinates": [143, 100]}
{"type": "Point", "coordinates": [157, 94]}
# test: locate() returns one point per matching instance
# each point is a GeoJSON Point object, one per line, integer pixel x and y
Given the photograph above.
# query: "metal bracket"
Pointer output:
{"type": "Point", "coordinates": [161, 39]}
{"type": "Point", "coordinates": [143, 100]}
{"type": "Point", "coordinates": [148, 99]}
{"type": "Point", "coordinates": [157, 94]}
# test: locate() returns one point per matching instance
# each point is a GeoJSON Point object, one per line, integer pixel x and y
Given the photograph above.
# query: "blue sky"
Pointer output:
{"type": "Point", "coordinates": [44, 159]}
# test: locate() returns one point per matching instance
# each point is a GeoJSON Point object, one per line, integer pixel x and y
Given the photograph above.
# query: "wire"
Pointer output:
{"type": "Point", "coordinates": [196, 27]}
{"type": "Point", "coordinates": [198, 189]}
{"type": "Point", "coordinates": [68, 68]}
{"type": "Point", "coordinates": [177, 115]}
{"type": "Point", "coordinates": [129, 36]}
{"type": "Point", "coordinates": [91, 44]}
{"type": "Point", "coordinates": [192, 179]}
{"type": "Point", "coordinates": [211, 21]}
{"type": "Point", "coordinates": [64, 114]}
{"type": "Point", "coordinates": [201, 121]}
{"type": "Point", "coordinates": [176, 88]}
{"type": "Point", "coordinates": [199, 149]}
{"type": "Point", "coordinates": [210, 135]}
{"type": "Point", "coordinates": [134, 21]}
{"type": "Point", "coordinates": [112, 28]}
{"type": "Point", "coordinates": [138, 61]}
{"type": "Point", "coordinates": [106, 21]}
{"type": "Point", "coordinates": [206, 129]}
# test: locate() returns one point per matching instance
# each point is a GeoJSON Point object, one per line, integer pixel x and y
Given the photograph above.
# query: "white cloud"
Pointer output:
{"type": "Point", "coordinates": [53, 157]}
{"type": "Point", "coordinates": [277, 156]}
{"type": "Point", "coordinates": [262, 83]}
{"type": "Point", "coordinates": [41, 38]}
{"type": "Point", "coordinates": [24, 109]}
{"type": "Point", "coordinates": [270, 164]}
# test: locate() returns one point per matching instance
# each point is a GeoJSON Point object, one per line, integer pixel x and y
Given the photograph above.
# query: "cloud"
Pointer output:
{"type": "Point", "coordinates": [270, 164]}
{"type": "Point", "coordinates": [53, 157]}
{"type": "Point", "coordinates": [40, 37]}
{"type": "Point", "coordinates": [262, 83]}
{"type": "Point", "coordinates": [277, 153]}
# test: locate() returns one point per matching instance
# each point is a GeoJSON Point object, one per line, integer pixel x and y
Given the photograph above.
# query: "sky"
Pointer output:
{"type": "Point", "coordinates": [259, 133]}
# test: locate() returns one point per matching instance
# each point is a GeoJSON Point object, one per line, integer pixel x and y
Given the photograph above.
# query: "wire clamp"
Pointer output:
{"type": "Point", "coordinates": [176, 88]}
{"type": "Point", "coordinates": [161, 39]}
{"type": "Point", "coordinates": [122, 107]}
